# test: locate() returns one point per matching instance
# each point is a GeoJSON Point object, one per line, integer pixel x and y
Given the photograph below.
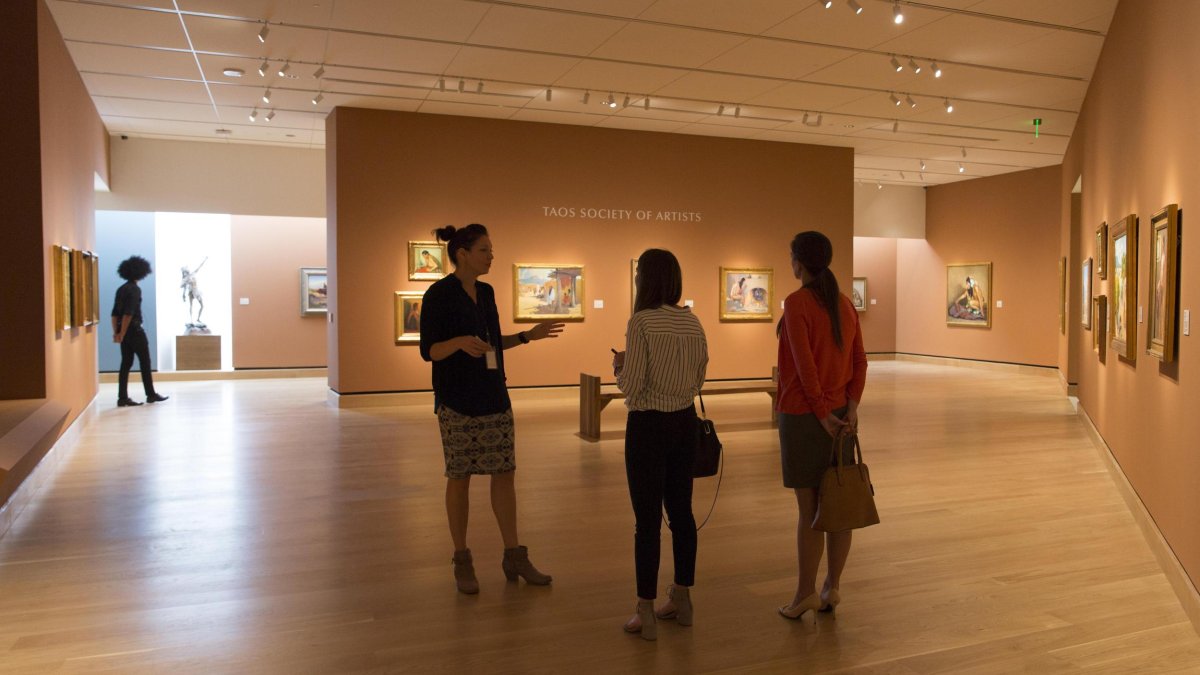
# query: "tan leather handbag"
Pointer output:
{"type": "Point", "coordinates": [846, 499]}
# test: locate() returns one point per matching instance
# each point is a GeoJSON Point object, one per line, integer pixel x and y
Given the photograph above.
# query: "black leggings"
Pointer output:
{"type": "Point", "coordinates": [134, 344]}
{"type": "Point", "coordinates": [659, 451]}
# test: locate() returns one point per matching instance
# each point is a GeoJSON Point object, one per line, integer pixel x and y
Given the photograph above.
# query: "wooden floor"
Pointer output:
{"type": "Point", "coordinates": [247, 527]}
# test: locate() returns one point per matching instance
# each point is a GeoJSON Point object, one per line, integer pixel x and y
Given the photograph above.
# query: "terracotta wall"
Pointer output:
{"type": "Point", "coordinates": [875, 259]}
{"type": "Point", "coordinates": [393, 177]}
{"type": "Point", "coordinates": [1135, 146]}
{"type": "Point", "coordinates": [1010, 220]}
{"type": "Point", "coordinates": [894, 211]}
{"type": "Point", "coordinates": [22, 259]}
{"type": "Point", "coordinates": [268, 253]}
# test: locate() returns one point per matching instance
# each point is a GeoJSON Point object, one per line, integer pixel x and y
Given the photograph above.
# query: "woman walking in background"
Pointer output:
{"type": "Point", "coordinates": [661, 371]}
{"type": "Point", "coordinates": [822, 371]}
{"type": "Point", "coordinates": [460, 334]}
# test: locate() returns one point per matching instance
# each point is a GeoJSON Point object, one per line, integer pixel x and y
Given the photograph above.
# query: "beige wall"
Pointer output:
{"type": "Point", "coordinates": [1135, 146]}
{"type": "Point", "coordinates": [73, 150]}
{"type": "Point", "coordinates": [894, 211]}
{"type": "Point", "coordinates": [875, 259]}
{"type": "Point", "coordinates": [195, 177]}
{"type": "Point", "coordinates": [268, 253]}
{"type": "Point", "coordinates": [395, 176]}
{"type": "Point", "coordinates": [1010, 220]}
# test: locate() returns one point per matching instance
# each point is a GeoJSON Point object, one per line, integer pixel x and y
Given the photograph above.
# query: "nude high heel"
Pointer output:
{"type": "Point", "coordinates": [812, 602]}
{"type": "Point", "coordinates": [682, 612]}
{"type": "Point", "coordinates": [830, 600]}
{"type": "Point", "coordinates": [645, 616]}
{"type": "Point", "coordinates": [516, 564]}
{"type": "Point", "coordinates": [464, 572]}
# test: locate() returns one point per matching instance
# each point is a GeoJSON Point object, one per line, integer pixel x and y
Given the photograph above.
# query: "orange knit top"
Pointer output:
{"type": "Point", "coordinates": [814, 375]}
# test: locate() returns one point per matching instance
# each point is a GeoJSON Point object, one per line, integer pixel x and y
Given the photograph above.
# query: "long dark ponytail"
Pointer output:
{"type": "Point", "coordinates": [814, 252]}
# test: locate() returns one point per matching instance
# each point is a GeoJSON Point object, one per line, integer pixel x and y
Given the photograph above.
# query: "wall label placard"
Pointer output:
{"type": "Point", "coordinates": [603, 213]}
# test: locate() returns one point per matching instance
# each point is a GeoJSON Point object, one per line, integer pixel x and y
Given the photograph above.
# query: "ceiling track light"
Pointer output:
{"type": "Point", "coordinates": [612, 100]}
{"type": "Point", "coordinates": [549, 94]}
{"type": "Point", "coordinates": [825, 3]}
{"type": "Point", "coordinates": [318, 98]}
{"type": "Point", "coordinates": [909, 100]}
{"type": "Point", "coordinates": [895, 126]}
{"type": "Point", "coordinates": [804, 120]}
{"type": "Point", "coordinates": [254, 115]}
{"type": "Point", "coordinates": [896, 64]}
{"type": "Point", "coordinates": [262, 34]}
{"type": "Point", "coordinates": [878, 185]}
{"type": "Point", "coordinates": [263, 68]}
{"type": "Point", "coordinates": [284, 68]}
{"type": "Point", "coordinates": [914, 66]}
{"type": "Point", "coordinates": [586, 95]}
{"type": "Point", "coordinates": [922, 165]}
{"type": "Point", "coordinates": [902, 177]}
{"type": "Point", "coordinates": [319, 72]}
{"type": "Point", "coordinates": [961, 168]}
{"type": "Point", "coordinates": [625, 103]}
{"type": "Point", "coordinates": [479, 87]}
{"type": "Point", "coordinates": [266, 97]}
{"type": "Point", "coordinates": [720, 110]}
{"type": "Point", "coordinates": [441, 84]}
{"type": "Point", "coordinates": [853, 4]}
{"type": "Point", "coordinates": [646, 103]}
{"type": "Point", "coordinates": [948, 105]}
{"type": "Point", "coordinates": [737, 111]}
{"type": "Point", "coordinates": [964, 151]}
{"type": "Point", "coordinates": [893, 98]}
{"type": "Point", "coordinates": [937, 70]}
{"type": "Point", "coordinates": [897, 13]}
{"type": "Point", "coordinates": [270, 116]}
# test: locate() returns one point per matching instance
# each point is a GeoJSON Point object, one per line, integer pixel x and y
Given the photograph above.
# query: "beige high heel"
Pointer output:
{"type": "Point", "coordinates": [682, 611]}
{"type": "Point", "coordinates": [516, 563]}
{"type": "Point", "coordinates": [830, 600]}
{"type": "Point", "coordinates": [646, 626]}
{"type": "Point", "coordinates": [812, 602]}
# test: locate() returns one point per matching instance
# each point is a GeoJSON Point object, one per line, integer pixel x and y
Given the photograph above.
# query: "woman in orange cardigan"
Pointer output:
{"type": "Point", "coordinates": [822, 370]}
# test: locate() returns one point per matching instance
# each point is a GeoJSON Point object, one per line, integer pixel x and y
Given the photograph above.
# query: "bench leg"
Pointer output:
{"type": "Point", "coordinates": [589, 407]}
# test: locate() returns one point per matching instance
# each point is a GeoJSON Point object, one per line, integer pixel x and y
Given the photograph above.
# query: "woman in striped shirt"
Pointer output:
{"type": "Point", "coordinates": [660, 372]}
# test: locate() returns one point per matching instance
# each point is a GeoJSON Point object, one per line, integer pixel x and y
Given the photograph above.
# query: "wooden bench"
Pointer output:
{"type": "Point", "coordinates": [593, 398]}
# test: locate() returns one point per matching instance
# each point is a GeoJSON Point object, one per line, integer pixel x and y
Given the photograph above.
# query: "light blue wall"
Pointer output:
{"type": "Point", "coordinates": [120, 234]}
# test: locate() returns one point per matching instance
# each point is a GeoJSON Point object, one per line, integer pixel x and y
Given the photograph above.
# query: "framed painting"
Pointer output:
{"type": "Point", "coordinates": [1062, 295]}
{"type": "Point", "coordinates": [858, 293]}
{"type": "Point", "coordinates": [61, 264]}
{"type": "Point", "coordinates": [314, 291]}
{"type": "Point", "coordinates": [426, 260]}
{"type": "Point", "coordinates": [747, 293]}
{"type": "Point", "coordinates": [1085, 285]}
{"type": "Point", "coordinates": [1100, 321]}
{"type": "Point", "coordinates": [78, 289]}
{"type": "Point", "coordinates": [632, 285]}
{"type": "Point", "coordinates": [95, 294]}
{"type": "Point", "coordinates": [1122, 256]}
{"type": "Point", "coordinates": [1164, 283]}
{"type": "Point", "coordinates": [408, 317]}
{"type": "Point", "coordinates": [969, 294]}
{"type": "Point", "coordinates": [544, 292]}
{"type": "Point", "coordinates": [1102, 251]}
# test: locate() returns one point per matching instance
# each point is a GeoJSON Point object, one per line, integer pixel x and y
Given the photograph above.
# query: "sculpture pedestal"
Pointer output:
{"type": "Point", "coordinates": [197, 352]}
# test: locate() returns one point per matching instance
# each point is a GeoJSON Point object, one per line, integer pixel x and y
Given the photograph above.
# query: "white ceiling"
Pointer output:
{"type": "Point", "coordinates": [155, 69]}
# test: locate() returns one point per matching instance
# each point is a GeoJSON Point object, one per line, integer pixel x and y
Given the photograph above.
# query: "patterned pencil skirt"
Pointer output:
{"type": "Point", "coordinates": [477, 445]}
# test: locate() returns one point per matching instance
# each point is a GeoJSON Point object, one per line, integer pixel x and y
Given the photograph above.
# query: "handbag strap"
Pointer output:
{"type": "Point", "coordinates": [703, 412]}
{"type": "Point", "coordinates": [713, 506]}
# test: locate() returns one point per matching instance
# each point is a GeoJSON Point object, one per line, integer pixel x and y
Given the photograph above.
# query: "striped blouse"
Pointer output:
{"type": "Point", "coordinates": [666, 355]}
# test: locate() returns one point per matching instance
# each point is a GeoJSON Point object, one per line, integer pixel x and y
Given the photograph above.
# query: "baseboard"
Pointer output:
{"type": "Point", "coordinates": [201, 375]}
{"type": "Point", "coordinates": [1022, 368]}
{"type": "Point", "coordinates": [1181, 583]}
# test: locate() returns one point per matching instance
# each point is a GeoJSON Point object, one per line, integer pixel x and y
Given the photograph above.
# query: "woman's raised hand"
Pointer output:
{"type": "Point", "coordinates": [545, 329]}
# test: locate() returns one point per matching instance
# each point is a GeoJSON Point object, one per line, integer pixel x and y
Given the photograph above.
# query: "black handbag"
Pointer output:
{"type": "Point", "coordinates": [708, 446]}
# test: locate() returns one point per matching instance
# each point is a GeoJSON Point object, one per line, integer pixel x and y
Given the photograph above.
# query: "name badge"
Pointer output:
{"type": "Point", "coordinates": [491, 360]}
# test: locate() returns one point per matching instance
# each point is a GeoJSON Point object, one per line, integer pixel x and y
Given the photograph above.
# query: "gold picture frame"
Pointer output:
{"type": "Point", "coordinates": [1162, 316]}
{"type": "Point", "coordinates": [1122, 257]}
{"type": "Point", "coordinates": [427, 260]}
{"type": "Point", "coordinates": [969, 294]}
{"type": "Point", "coordinates": [61, 264]}
{"type": "Point", "coordinates": [548, 292]}
{"type": "Point", "coordinates": [1062, 295]}
{"type": "Point", "coordinates": [89, 289]}
{"type": "Point", "coordinates": [78, 290]}
{"type": "Point", "coordinates": [1085, 307]}
{"type": "Point", "coordinates": [1102, 251]}
{"type": "Point", "coordinates": [746, 293]}
{"type": "Point", "coordinates": [858, 293]}
{"type": "Point", "coordinates": [1100, 321]}
{"type": "Point", "coordinates": [407, 309]}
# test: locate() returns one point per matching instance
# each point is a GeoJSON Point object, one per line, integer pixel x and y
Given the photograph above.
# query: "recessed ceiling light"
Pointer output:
{"type": "Point", "coordinates": [233, 72]}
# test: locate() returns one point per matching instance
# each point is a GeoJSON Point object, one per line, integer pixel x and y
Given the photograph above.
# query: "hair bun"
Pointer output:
{"type": "Point", "coordinates": [445, 233]}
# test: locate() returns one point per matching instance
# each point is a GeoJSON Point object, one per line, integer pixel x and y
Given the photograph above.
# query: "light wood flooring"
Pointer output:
{"type": "Point", "coordinates": [249, 527]}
